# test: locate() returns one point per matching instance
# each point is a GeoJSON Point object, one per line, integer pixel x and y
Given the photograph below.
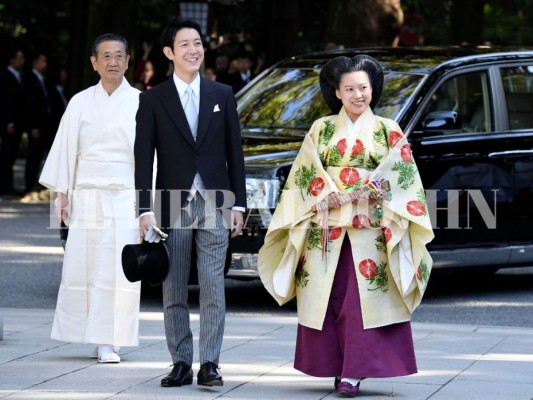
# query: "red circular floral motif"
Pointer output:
{"type": "Point", "coordinates": [349, 176]}
{"type": "Point", "coordinates": [316, 186]}
{"type": "Point", "coordinates": [394, 138]}
{"type": "Point", "coordinates": [368, 268]}
{"type": "Point", "coordinates": [419, 273]}
{"type": "Point", "coordinates": [407, 154]}
{"type": "Point", "coordinates": [361, 221]}
{"type": "Point", "coordinates": [341, 146]}
{"type": "Point", "coordinates": [357, 148]}
{"type": "Point", "coordinates": [335, 233]}
{"type": "Point", "coordinates": [388, 234]}
{"type": "Point", "coordinates": [416, 208]}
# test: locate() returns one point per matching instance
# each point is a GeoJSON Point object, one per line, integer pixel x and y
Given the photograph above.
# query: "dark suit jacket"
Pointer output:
{"type": "Point", "coordinates": [216, 154]}
{"type": "Point", "coordinates": [233, 79]}
{"type": "Point", "coordinates": [11, 101]}
{"type": "Point", "coordinates": [37, 104]}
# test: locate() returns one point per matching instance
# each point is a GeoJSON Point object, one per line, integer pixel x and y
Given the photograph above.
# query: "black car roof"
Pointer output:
{"type": "Point", "coordinates": [422, 59]}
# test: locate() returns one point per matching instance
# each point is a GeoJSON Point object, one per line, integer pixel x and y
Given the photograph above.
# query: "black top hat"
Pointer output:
{"type": "Point", "coordinates": [145, 261]}
{"type": "Point", "coordinates": [332, 71]}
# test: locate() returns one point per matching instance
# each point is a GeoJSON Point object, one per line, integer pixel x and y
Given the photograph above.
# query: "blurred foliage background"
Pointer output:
{"type": "Point", "coordinates": [272, 29]}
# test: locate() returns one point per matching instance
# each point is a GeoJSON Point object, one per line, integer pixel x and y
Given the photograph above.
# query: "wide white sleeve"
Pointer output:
{"type": "Point", "coordinates": [59, 167]}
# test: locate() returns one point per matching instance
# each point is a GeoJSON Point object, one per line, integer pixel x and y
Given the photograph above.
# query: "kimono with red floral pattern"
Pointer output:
{"type": "Point", "coordinates": [388, 236]}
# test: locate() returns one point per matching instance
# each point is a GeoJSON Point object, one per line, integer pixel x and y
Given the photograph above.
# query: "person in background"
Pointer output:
{"type": "Point", "coordinates": [37, 118]}
{"type": "Point", "coordinates": [138, 73]}
{"type": "Point", "coordinates": [91, 168]}
{"type": "Point", "coordinates": [348, 237]}
{"type": "Point", "coordinates": [146, 80]}
{"type": "Point", "coordinates": [11, 117]}
{"type": "Point", "coordinates": [221, 64]}
{"type": "Point", "coordinates": [58, 100]}
{"type": "Point", "coordinates": [191, 124]}
{"type": "Point", "coordinates": [209, 73]}
{"type": "Point", "coordinates": [240, 75]}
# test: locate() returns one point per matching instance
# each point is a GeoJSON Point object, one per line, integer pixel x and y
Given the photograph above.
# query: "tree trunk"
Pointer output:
{"type": "Point", "coordinates": [354, 23]}
{"type": "Point", "coordinates": [78, 55]}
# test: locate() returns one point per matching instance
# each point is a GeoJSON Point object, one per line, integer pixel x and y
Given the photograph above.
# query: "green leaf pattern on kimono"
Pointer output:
{"type": "Point", "coordinates": [421, 196]}
{"type": "Point", "coordinates": [381, 244]}
{"type": "Point", "coordinates": [301, 275]}
{"type": "Point", "coordinates": [381, 279]}
{"type": "Point", "coordinates": [422, 273]}
{"type": "Point", "coordinates": [374, 159]}
{"type": "Point", "coordinates": [303, 178]}
{"type": "Point", "coordinates": [326, 132]}
{"type": "Point", "coordinates": [380, 136]}
{"type": "Point", "coordinates": [407, 174]}
{"type": "Point", "coordinates": [358, 159]}
{"type": "Point", "coordinates": [314, 240]}
{"type": "Point", "coordinates": [332, 157]}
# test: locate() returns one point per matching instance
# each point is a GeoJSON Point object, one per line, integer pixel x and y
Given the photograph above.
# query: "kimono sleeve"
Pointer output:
{"type": "Point", "coordinates": [59, 167]}
{"type": "Point", "coordinates": [308, 183]}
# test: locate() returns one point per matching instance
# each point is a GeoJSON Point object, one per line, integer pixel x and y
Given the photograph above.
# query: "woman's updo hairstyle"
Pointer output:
{"type": "Point", "coordinates": [332, 71]}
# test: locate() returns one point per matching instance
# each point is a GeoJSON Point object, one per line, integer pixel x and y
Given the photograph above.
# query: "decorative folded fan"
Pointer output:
{"type": "Point", "coordinates": [377, 190]}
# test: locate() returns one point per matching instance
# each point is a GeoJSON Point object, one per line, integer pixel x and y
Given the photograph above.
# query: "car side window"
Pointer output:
{"type": "Point", "coordinates": [518, 87]}
{"type": "Point", "coordinates": [460, 104]}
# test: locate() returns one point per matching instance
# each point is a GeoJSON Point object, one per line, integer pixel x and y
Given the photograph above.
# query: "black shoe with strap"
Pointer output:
{"type": "Point", "coordinates": [181, 374]}
{"type": "Point", "coordinates": [208, 375]}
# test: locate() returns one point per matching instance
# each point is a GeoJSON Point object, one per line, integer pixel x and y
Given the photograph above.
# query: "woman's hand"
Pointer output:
{"type": "Point", "coordinates": [332, 200]}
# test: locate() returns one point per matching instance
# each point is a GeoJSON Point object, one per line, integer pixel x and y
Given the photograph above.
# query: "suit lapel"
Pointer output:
{"type": "Point", "coordinates": [207, 104]}
{"type": "Point", "coordinates": [171, 102]}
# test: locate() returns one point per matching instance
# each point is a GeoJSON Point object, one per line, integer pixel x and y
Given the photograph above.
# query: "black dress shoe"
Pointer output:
{"type": "Point", "coordinates": [208, 375]}
{"type": "Point", "coordinates": [181, 374]}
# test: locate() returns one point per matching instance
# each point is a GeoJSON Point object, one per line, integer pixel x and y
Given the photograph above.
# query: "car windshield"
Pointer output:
{"type": "Point", "coordinates": [291, 99]}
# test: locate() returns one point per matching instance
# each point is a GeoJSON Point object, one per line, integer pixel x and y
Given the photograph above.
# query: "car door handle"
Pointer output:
{"type": "Point", "coordinates": [511, 153]}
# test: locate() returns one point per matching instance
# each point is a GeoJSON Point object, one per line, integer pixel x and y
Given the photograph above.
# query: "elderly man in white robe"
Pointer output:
{"type": "Point", "coordinates": [91, 167]}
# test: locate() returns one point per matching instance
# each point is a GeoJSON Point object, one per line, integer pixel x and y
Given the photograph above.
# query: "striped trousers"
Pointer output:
{"type": "Point", "coordinates": [196, 226]}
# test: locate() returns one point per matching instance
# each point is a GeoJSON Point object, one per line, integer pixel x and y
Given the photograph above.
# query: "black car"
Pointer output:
{"type": "Point", "coordinates": [468, 114]}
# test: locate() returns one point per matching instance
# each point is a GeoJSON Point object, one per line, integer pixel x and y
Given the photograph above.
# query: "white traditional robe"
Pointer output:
{"type": "Point", "coordinates": [92, 160]}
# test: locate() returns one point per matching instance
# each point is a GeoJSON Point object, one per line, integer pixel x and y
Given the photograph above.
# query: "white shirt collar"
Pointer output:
{"type": "Point", "coordinates": [39, 75]}
{"type": "Point", "coordinates": [181, 86]}
{"type": "Point", "coordinates": [14, 72]}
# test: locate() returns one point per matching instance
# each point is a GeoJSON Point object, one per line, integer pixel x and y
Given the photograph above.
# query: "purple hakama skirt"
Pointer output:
{"type": "Point", "coordinates": [343, 348]}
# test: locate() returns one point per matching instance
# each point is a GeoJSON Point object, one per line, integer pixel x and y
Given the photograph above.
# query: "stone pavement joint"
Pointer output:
{"type": "Point", "coordinates": [455, 362]}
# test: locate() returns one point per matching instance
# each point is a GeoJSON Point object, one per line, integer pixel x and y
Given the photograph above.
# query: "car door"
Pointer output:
{"type": "Point", "coordinates": [475, 163]}
{"type": "Point", "coordinates": [517, 124]}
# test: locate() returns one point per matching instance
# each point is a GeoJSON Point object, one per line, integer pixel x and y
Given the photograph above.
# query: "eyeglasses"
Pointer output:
{"type": "Point", "coordinates": [119, 58]}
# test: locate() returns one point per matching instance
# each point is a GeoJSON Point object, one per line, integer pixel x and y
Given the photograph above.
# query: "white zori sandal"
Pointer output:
{"type": "Point", "coordinates": [107, 354]}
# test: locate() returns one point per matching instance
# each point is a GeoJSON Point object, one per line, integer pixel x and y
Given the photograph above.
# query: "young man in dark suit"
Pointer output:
{"type": "Point", "coordinates": [192, 124]}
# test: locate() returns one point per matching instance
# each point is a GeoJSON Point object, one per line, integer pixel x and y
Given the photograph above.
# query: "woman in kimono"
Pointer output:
{"type": "Point", "coordinates": [91, 167]}
{"type": "Point", "coordinates": [349, 236]}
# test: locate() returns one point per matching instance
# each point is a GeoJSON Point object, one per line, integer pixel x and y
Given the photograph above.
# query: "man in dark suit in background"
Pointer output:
{"type": "Point", "coordinates": [242, 74]}
{"type": "Point", "coordinates": [37, 116]}
{"type": "Point", "coordinates": [193, 125]}
{"type": "Point", "coordinates": [11, 117]}
{"type": "Point", "coordinates": [58, 100]}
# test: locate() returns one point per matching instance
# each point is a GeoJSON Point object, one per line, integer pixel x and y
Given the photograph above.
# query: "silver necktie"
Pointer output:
{"type": "Point", "coordinates": [190, 110]}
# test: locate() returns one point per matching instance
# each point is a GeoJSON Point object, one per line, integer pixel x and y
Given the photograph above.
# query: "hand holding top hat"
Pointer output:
{"type": "Point", "coordinates": [148, 260]}
{"type": "Point", "coordinates": [155, 235]}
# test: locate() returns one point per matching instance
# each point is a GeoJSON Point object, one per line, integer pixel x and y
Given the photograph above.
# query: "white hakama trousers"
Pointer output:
{"type": "Point", "coordinates": [96, 303]}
